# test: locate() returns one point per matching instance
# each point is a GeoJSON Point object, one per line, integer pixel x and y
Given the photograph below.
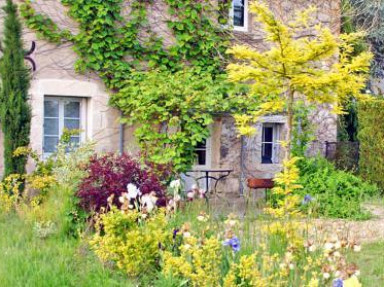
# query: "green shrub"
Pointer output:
{"type": "Point", "coordinates": [131, 242]}
{"type": "Point", "coordinates": [371, 137]}
{"type": "Point", "coordinates": [336, 193]}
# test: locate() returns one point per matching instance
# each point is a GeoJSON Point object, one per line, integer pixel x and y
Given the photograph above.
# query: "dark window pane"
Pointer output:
{"type": "Point", "coordinates": [201, 153]}
{"type": "Point", "coordinates": [267, 134]}
{"type": "Point", "coordinates": [72, 124]}
{"type": "Point", "coordinates": [201, 157]}
{"type": "Point", "coordinates": [72, 109]}
{"type": "Point", "coordinates": [238, 13]}
{"type": "Point", "coordinates": [266, 153]}
{"type": "Point", "coordinates": [51, 108]}
{"type": "Point", "coordinates": [202, 144]}
{"type": "Point", "coordinates": [51, 127]}
{"type": "Point", "coordinates": [50, 144]}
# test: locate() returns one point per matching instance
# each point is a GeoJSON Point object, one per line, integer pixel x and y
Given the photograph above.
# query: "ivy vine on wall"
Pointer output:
{"type": "Point", "coordinates": [171, 92]}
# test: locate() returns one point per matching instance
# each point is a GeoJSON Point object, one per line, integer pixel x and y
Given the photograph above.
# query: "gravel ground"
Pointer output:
{"type": "Point", "coordinates": [363, 231]}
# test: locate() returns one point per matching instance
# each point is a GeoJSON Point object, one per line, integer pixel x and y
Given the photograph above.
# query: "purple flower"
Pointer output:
{"type": "Point", "coordinates": [337, 283]}
{"type": "Point", "coordinates": [234, 242]}
{"type": "Point", "coordinates": [175, 231]}
{"type": "Point", "coordinates": [307, 199]}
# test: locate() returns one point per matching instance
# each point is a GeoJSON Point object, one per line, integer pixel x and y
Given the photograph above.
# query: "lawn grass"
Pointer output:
{"type": "Point", "coordinates": [371, 263]}
{"type": "Point", "coordinates": [27, 260]}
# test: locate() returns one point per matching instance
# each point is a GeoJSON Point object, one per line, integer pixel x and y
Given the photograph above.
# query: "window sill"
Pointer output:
{"type": "Point", "coordinates": [240, 29]}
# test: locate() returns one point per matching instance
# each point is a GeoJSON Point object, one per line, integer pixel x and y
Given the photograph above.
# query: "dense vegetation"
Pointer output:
{"type": "Point", "coordinates": [134, 216]}
{"type": "Point", "coordinates": [333, 193]}
{"type": "Point", "coordinates": [371, 137]}
{"type": "Point", "coordinates": [15, 115]}
{"type": "Point", "coordinates": [133, 60]}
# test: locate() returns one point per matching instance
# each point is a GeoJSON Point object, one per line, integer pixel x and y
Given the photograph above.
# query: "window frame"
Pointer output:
{"type": "Point", "coordinates": [61, 117]}
{"type": "Point", "coordinates": [246, 16]}
{"type": "Point", "coordinates": [208, 155]}
{"type": "Point", "coordinates": [276, 131]}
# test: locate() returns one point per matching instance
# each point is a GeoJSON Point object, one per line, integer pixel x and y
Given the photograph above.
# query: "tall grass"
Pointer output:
{"type": "Point", "coordinates": [27, 260]}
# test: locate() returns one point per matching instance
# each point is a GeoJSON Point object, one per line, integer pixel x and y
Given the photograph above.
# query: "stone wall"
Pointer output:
{"type": "Point", "coordinates": [55, 76]}
{"type": "Point", "coordinates": [230, 147]}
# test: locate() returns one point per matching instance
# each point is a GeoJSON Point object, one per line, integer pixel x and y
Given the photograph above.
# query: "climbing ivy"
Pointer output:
{"type": "Point", "coordinates": [178, 87]}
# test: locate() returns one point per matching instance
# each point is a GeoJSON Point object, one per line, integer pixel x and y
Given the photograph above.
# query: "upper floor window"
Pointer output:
{"type": "Point", "coordinates": [239, 14]}
{"type": "Point", "coordinates": [270, 146]}
{"type": "Point", "coordinates": [61, 113]}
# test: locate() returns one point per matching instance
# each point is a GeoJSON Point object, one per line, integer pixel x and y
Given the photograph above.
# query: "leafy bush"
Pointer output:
{"type": "Point", "coordinates": [49, 199]}
{"type": "Point", "coordinates": [109, 175]}
{"type": "Point", "coordinates": [131, 241]}
{"type": "Point", "coordinates": [336, 193]}
{"type": "Point", "coordinates": [371, 138]}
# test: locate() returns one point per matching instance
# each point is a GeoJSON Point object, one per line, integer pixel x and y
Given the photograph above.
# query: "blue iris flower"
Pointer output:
{"type": "Point", "coordinates": [307, 199]}
{"type": "Point", "coordinates": [234, 242]}
{"type": "Point", "coordinates": [337, 283]}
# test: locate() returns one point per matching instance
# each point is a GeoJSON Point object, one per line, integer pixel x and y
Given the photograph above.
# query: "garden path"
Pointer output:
{"type": "Point", "coordinates": [363, 231]}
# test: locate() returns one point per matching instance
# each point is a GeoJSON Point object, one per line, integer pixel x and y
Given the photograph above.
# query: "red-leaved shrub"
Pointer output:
{"type": "Point", "coordinates": [110, 174]}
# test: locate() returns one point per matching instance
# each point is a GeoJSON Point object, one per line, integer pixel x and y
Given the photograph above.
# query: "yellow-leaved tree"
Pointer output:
{"type": "Point", "coordinates": [304, 61]}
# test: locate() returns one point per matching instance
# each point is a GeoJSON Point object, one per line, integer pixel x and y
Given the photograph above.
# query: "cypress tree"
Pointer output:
{"type": "Point", "coordinates": [15, 114]}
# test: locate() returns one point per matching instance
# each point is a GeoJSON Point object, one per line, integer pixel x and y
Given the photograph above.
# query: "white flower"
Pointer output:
{"type": "Point", "coordinates": [187, 246]}
{"type": "Point", "coordinates": [170, 205]}
{"type": "Point", "coordinates": [194, 187]}
{"type": "Point", "coordinates": [326, 275]}
{"type": "Point", "coordinates": [328, 246]}
{"type": "Point", "coordinates": [357, 273]}
{"type": "Point", "coordinates": [177, 198]}
{"type": "Point", "coordinates": [337, 254]}
{"type": "Point", "coordinates": [186, 234]}
{"type": "Point", "coordinates": [190, 194]}
{"type": "Point", "coordinates": [291, 266]}
{"type": "Point", "coordinates": [312, 248]}
{"type": "Point", "coordinates": [357, 248]}
{"type": "Point", "coordinates": [123, 197]}
{"type": "Point", "coordinates": [175, 184]}
{"type": "Point", "coordinates": [133, 191]}
{"type": "Point", "coordinates": [149, 201]}
{"type": "Point", "coordinates": [203, 217]}
{"type": "Point", "coordinates": [288, 256]}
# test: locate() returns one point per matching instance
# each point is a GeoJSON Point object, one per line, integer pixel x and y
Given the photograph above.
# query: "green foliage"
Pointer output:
{"type": "Point", "coordinates": [293, 65]}
{"type": "Point", "coordinates": [138, 68]}
{"type": "Point", "coordinates": [49, 197]}
{"type": "Point", "coordinates": [54, 261]}
{"type": "Point", "coordinates": [371, 260]}
{"type": "Point", "coordinates": [130, 241]}
{"type": "Point", "coordinates": [371, 137]}
{"type": "Point", "coordinates": [303, 132]}
{"type": "Point", "coordinates": [367, 16]}
{"type": "Point", "coordinates": [174, 111]}
{"type": "Point", "coordinates": [15, 115]}
{"type": "Point", "coordinates": [336, 193]}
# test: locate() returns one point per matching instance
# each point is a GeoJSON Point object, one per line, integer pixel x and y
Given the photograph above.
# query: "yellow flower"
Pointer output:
{"type": "Point", "coordinates": [352, 282]}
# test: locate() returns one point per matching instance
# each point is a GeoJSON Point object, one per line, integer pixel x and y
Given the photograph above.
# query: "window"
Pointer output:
{"type": "Point", "coordinates": [202, 151]}
{"type": "Point", "coordinates": [270, 146]}
{"type": "Point", "coordinates": [60, 113]}
{"type": "Point", "coordinates": [239, 14]}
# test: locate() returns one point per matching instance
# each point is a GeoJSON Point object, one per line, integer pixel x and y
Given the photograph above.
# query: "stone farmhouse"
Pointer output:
{"type": "Point", "coordinates": [62, 98]}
